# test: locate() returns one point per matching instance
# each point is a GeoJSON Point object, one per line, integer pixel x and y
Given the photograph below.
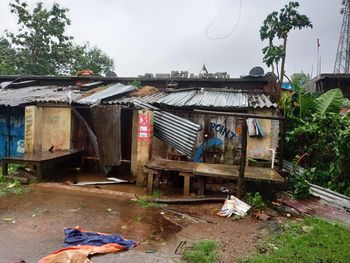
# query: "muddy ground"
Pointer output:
{"type": "Point", "coordinates": [31, 225]}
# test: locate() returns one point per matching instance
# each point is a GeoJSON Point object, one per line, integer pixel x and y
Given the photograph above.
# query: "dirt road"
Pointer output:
{"type": "Point", "coordinates": [31, 226]}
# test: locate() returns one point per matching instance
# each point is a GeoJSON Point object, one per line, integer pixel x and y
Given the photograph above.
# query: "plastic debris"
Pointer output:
{"type": "Point", "coordinates": [234, 206]}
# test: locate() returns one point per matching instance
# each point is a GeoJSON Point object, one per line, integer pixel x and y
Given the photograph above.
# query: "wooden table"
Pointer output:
{"type": "Point", "coordinates": [156, 166]}
{"type": "Point", "coordinates": [232, 172]}
{"type": "Point", "coordinates": [40, 159]}
{"type": "Point", "coordinates": [202, 170]}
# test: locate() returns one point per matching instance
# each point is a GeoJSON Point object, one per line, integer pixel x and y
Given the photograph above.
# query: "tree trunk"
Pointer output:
{"type": "Point", "coordinates": [272, 66]}
{"type": "Point", "coordinates": [242, 161]}
{"type": "Point", "coordinates": [283, 61]}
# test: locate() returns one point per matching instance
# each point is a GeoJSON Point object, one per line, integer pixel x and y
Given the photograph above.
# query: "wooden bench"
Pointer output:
{"type": "Point", "coordinates": [202, 170]}
{"type": "Point", "coordinates": [257, 174]}
{"type": "Point", "coordinates": [40, 159]}
{"type": "Point", "coordinates": [156, 166]}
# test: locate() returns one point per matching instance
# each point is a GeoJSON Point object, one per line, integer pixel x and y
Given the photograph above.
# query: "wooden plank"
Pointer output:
{"type": "Point", "coordinates": [232, 172]}
{"type": "Point", "coordinates": [171, 165]}
{"type": "Point", "coordinates": [43, 156]}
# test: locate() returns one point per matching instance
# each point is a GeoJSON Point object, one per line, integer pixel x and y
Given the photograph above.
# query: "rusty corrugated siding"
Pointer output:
{"type": "Point", "coordinates": [106, 121]}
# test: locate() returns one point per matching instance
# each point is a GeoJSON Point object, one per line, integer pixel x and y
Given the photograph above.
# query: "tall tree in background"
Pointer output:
{"type": "Point", "coordinates": [42, 46]}
{"type": "Point", "coordinates": [300, 78]}
{"type": "Point", "coordinates": [276, 28]}
{"type": "Point", "coordinates": [7, 57]}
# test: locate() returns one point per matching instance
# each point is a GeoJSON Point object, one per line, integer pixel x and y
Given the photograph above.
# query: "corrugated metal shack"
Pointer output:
{"type": "Point", "coordinates": [91, 101]}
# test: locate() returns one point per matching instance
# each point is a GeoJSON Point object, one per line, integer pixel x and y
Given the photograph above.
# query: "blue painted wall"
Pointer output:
{"type": "Point", "coordinates": [11, 132]}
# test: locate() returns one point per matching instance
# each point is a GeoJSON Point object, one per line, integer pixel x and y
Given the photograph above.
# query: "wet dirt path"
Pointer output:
{"type": "Point", "coordinates": [34, 223]}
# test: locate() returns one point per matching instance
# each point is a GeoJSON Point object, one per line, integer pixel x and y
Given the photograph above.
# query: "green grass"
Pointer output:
{"type": "Point", "coordinates": [204, 251]}
{"type": "Point", "coordinates": [311, 241]}
{"type": "Point", "coordinates": [144, 203]}
{"type": "Point", "coordinates": [7, 188]}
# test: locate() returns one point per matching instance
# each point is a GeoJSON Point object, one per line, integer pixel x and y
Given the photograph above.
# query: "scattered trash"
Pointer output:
{"type": "Point", "coordinates": [274, 227]}
{"type": "Point", "coordinates": [234, 206]}
{"type": "Point", "coordinates": [80, 243]}
{"type": "Point", "coordinates": [109, 210]}
{"type": "Point", "coordinates": [192, 218]}
{"type": "Point", "coordinates": [262, 216]}
{"type": "Point", "coordinates": [8, 218]}
{"type": "Point", "coordinates": [179, 247]}
{"type": "Point", "coordinates": [306, 229]}
{"type": "Point", "coordinates": [111, 180]}
{"type": "Point", "coordinates": [150, 250]}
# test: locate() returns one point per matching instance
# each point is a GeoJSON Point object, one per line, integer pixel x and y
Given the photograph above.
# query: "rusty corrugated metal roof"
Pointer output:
{"type": "Point", "coordinates": [320, 208]}
{"type": "Point", "coordinates": [55, 94]}
{"type": "Point", "coordinates": [109, 92]}
{"type": "Point", "coordinates": [203, 98]}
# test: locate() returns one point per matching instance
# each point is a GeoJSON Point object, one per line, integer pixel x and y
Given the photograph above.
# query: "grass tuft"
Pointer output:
{"type": "Point", "coordinates": [312, 240]}
{"type": "Point", "coordinates": [204, 251]}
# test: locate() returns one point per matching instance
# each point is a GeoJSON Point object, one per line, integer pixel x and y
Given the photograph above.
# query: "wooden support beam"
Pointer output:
{"type": "Point", "coordinates": [242, 161]}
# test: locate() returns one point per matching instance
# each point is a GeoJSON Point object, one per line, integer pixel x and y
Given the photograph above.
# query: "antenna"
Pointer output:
{"type": "Point", "coordinates": [342, 61]}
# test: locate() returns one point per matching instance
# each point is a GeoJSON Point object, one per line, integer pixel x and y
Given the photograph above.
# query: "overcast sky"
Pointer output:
{"type": "Point", "coordinates": [163, 35]}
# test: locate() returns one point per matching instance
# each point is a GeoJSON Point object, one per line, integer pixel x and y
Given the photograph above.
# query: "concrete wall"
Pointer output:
{"type": "Point", "coordinates": [258, 147]}
{"type": "Point", "coordinates": [142, 139]}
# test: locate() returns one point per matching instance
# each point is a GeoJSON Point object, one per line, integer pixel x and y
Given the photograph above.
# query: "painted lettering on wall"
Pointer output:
{"type": "Point", "coordinates": [28, 134]}
{"type": "Point", "coordinates": [144, 131]}
{"type": "Point", "coordinates": [220, 128]}
{"type": "Point", "coordinates": [20, 146]}
{"type": "Point", "coordinates": [198, 155]}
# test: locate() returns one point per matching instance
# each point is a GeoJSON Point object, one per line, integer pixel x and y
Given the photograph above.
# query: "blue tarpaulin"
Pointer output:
{"type": "Point", "coordinates": [76, 236]}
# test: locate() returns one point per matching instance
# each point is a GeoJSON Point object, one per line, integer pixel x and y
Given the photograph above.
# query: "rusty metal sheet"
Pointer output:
{"type": "Point", "coordinates": [15, 97]}
{"type": "Point", "coordinates": [109, 92]}
{"type": "Point", "coordinates": [106, 122]}
{"type": "Point", "coordinates": [178, 132]}
{"type": "Point", "coordinates": [320, 208]}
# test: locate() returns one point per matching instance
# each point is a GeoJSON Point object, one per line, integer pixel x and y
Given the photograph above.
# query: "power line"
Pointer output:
{"type": "Point", "coordinates": [232, 30]}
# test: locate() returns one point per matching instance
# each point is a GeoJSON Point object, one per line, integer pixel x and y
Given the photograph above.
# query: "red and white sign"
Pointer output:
{"type": "Point", "coordinates": [144, 123]}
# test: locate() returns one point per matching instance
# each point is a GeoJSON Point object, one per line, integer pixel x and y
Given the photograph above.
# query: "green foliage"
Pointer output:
{"type": "Point", "coordinates": [14, 187]}
{"type": "Point", "coordinates": [156, 194]}
{"type": "Point", "coordinates": [41, 45]}
{"type": "Point", "coordinates": [300, 79]}
{"type": "Point", "coordinates": [144, 203]}
{"type": "Point", "coordinates": [85, 57]}
{"type": "Point", "coordinates": [276, 27]}
{"type": "Point", "coordinates": [312, 240]}
{"type": "Point", "coordinates": [330, 101]}
{"type": "Point", "coordinates": [255, 200]}
{"type": "Point", "coordinates": [204, 251]}
{"type": "Point", "coordinates": [7, 57]}
{"type": "Point", "coordinates": [136, 83]}
{"type": "Point", "coordinates": [317, 131]}
{"type": "Point", "coordinates": [304, 101]}
{"type": "Point", "coordinates": [299, 186]}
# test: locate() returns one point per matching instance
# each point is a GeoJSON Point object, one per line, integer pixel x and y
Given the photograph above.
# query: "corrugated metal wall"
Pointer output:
{"type": "Point", "coordinates": [217, 140]}
{"type": "Point", "coordinates": [106, 121]}
{"type": "Point", "coordinates": [11, 132]}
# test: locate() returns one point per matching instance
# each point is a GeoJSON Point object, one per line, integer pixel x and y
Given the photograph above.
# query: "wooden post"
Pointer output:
{"type": "Point", "coordinates": [242, 161]}
{"type": "Point", "coordinates": [281, 142]}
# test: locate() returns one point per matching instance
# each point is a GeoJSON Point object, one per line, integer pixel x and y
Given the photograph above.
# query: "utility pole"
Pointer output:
{"type": "Point", "coordinates": [342, 61]}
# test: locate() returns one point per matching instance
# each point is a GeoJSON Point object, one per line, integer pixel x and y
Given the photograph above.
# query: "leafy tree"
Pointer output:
{"type": "Point", "coordinates": [277, 26]}
{"type": "Point", "coordinates": [7, 58]}
{"type": "Point", "coordinates": [300, 78]}
{"type": "Point", "coordinates": [43, 47]}
{"type": "Point", "coordinates": [85, 57]}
